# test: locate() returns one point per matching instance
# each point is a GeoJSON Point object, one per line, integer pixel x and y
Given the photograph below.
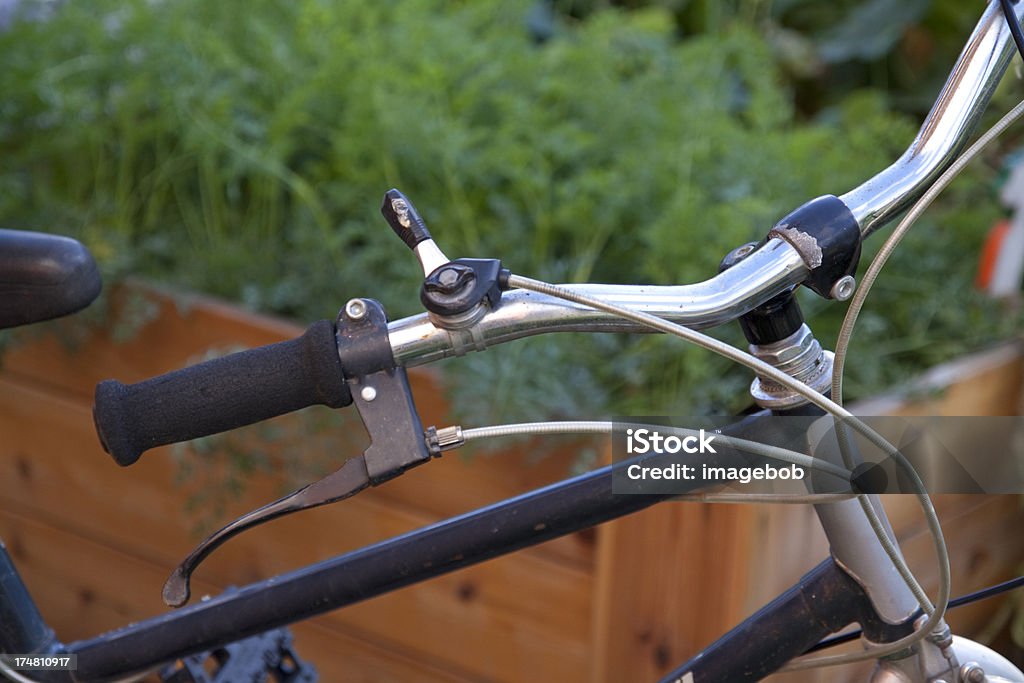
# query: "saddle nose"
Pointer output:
{"type": "Point", "coordinates": [44, 276]}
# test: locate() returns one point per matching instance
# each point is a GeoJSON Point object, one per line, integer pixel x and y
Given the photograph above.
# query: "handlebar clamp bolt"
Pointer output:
{"type": "Point", "coordinates": [844, 288]}
{"type": "Point", "coordinates": [355, 309]}
{"type": "Point", "coordinates": [736, 255]}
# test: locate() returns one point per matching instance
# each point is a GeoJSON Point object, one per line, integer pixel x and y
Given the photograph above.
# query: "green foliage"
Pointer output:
{"type": "Point", "coordinates": [871, 30]}
{"type": "Point", "coordinates": [242, 148]}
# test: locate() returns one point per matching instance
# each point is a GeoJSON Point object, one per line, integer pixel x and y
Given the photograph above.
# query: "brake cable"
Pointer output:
{"type": "Point", "coordinates": [890, 244]}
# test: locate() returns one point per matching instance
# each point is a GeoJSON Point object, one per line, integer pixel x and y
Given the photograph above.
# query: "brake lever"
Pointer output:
{"type": "Point", "coordinates": [380, 390]}
{"type": "Point", "coordinates": [457, 294]}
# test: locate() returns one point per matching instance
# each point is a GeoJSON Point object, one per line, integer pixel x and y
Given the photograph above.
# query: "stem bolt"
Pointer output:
{"type": "Point", "coordinates": [843, 288]}
{"type": "Point", "coordinates": [355, 309]}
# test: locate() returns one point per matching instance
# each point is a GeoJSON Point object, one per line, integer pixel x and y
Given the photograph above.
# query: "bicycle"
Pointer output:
{"type": "Point", "coordinates": [473, 304]}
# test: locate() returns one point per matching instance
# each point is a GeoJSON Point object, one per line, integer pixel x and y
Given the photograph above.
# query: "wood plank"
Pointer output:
{"type": "Point", "coordinates": [787, 541]}
{"type": "Point", "coordinates": [342, 657]}
{"type": "Point", "coordinates": [984, 383]}
{"type": "Point", "coordinates": [904, 511]}
{"type": "Point", "coordinates": [522, 611]}
{"type": "Point", "coordinates": [94, 599]}
{"type": "Point", "coordinates": [670, 579]}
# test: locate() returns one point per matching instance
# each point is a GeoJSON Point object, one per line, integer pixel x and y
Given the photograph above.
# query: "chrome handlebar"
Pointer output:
{"type": "Point", "coordinates": [773, 268]}
{"type": "Point", "coordinates": [751, 282]}
{"type": "Point", "coordinates": [947, 128]}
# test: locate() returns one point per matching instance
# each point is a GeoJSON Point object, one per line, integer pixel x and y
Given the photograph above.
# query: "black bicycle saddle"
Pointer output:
{"type": "Point", "coordinates": [43, 276]}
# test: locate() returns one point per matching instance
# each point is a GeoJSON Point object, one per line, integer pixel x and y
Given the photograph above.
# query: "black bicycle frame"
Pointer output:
{"type": "Point", "coordinates": [22, 629]}
{"type": "Point", "coordinates": [822, 602]}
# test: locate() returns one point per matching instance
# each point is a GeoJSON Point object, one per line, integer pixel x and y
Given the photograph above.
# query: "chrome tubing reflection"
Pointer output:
{"type": "Point", "coordinates": [947, 128]}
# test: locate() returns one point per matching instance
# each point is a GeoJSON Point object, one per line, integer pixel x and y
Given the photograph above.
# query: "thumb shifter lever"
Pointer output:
{"type": "Point", "coordinates": [455, 293]}
{"type": "Point", "coordinates": [403, 218]}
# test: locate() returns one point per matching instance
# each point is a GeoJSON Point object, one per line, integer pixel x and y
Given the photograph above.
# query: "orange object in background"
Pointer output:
{"type": "Point", "coordinates": [1001, 264]}
{"type": "Point", "coordinates": [990, 254]}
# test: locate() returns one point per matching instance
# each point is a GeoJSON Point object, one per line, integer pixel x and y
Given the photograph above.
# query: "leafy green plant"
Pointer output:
{"type": "Point", "coordinates": [242, 148]}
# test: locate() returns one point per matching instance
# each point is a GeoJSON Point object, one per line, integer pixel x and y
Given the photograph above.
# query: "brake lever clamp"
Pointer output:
{"type": "Point", "coordinates": [380, 390]}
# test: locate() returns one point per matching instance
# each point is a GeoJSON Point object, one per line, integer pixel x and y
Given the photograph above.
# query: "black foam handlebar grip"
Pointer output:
{"type": "Point", "coordinates": [221, 394]}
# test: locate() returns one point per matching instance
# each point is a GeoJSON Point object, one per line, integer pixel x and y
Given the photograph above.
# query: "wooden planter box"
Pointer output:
{"type": "Point", "coordinates": [624, 602]}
